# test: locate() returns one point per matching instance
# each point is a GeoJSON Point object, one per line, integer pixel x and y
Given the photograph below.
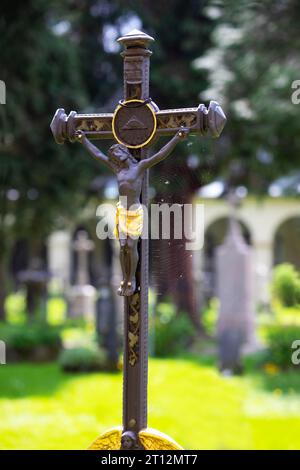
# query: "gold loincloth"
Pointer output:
{"type": "Point", "coordinates": [129, 222]}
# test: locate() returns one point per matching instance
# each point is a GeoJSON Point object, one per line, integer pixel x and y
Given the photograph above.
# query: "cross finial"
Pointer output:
{"type": "Point", "coordinates": [136, 38]}
{"type": "Point", "coordinates": [83, 243]}
{"type": "Point", "coordinates": [234, 233]}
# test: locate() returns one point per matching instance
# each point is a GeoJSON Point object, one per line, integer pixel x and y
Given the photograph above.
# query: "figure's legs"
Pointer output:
{"type": "Point", "coordinates": [131, 261]}
{"type": "Point", "coordinates": [123, 265]}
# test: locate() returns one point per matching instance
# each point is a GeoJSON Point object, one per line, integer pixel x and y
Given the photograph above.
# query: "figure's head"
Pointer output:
{"type": "Point", "coordinates": [128, 440]}
{"type": "Point", "coordinates": [119, 154]}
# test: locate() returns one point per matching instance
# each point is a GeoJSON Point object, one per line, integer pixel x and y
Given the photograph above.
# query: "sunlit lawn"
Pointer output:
{"type": "Point", "coordinates": [42, 408]}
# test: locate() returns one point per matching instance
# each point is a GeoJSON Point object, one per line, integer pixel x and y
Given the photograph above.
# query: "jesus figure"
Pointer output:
{"type": "Point", "coordinates": [129, 215]}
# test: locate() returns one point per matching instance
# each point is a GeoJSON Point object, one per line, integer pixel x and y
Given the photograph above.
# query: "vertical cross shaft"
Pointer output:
{"type": "Point", "coordinates": [136, 57]}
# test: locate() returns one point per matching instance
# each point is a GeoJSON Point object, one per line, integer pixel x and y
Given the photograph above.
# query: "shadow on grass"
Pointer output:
{"type": "Point", "coordinates": [28, 379]}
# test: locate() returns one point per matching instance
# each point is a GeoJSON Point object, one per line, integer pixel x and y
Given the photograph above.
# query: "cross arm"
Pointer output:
{"type": "Point", "coordinates": [94, 126]}
{"type": "Point", "coordinates": [200, 121]}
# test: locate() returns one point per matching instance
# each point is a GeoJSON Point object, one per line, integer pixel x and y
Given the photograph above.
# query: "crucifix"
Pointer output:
{"type": "Point", "coordinates": [135, 125]}
{"type": "Point", "coordinates": [82, 246]}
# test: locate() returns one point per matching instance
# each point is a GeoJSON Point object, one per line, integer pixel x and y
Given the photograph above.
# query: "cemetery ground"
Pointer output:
{"type": "Point", "coordinates": [42, 407]}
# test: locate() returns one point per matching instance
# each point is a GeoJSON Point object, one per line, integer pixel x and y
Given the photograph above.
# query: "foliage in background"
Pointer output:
{"type": "Point", "coordinates": [47, 71]}
{"type": "Point", "coordinates": [83, 359]}
{"type": "Point", "coordinates": [28, 336]}
{"type": "Point", "coordinates": [40, 182]}
{"type": "Point", "coordinates": [279, 341]}
{"type": "Point", "coordinates": [210, 316]}
{"type": "Point", "coordinates": [251, 68]}
{"type": "Point", "coordinates": [286, 284]}
{"type": "Point", "coordinates": [170, 333]}
{"type": "Point", "coordinates": [280, 329]}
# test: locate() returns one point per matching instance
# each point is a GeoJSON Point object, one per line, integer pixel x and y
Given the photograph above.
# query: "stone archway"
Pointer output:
{"type": "Point", "coordinates": [263, 218]}
{"type": "Point", "coordinates": [286, 243]}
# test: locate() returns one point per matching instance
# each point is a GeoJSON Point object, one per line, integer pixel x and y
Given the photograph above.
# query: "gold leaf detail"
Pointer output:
{"type": "Point", "coordinates": [152, 439]}
{"type": "Point", "coordinates": [110, 440]}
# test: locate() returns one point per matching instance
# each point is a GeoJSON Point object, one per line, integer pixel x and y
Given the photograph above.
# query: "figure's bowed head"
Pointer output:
{"type": "Point", "coordinates": [118, 154]}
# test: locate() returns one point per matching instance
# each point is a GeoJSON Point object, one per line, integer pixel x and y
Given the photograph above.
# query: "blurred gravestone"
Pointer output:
{"type": "Point", "coordinates": [235, 327]}
{"type": "Point", "coordinates": [35, 279]}
{"type": "Point", "coordinates": [82, 294]}
{"type": "Point", "coordinates": [106, 321]}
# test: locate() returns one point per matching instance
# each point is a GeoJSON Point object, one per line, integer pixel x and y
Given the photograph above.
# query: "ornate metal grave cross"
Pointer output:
{"type": "Point", "coordinates": [136, 123]}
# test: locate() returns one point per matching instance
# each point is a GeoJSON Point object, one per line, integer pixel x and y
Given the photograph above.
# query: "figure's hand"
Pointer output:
{"type": "Point", "coordinates": [183, 133]}
{"type": "Point", "coordinates": [80, 136]}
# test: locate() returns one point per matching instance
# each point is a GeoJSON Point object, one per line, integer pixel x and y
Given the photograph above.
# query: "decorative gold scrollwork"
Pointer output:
{"type": "Point", "coordinates": [174, 120]}
{"type": "Point", "coordinates": [95, 124]}
{"type": "Point", "coordinates": [133, 328]}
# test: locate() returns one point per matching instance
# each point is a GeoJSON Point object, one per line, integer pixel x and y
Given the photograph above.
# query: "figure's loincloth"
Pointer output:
{"type": "Point", "coordinates": [129, 222]}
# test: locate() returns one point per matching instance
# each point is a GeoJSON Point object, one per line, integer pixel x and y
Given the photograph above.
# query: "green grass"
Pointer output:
{"type": "Point", "coordinates": [42, 408]}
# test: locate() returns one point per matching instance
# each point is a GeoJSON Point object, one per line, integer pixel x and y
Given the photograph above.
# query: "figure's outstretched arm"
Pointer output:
{"type": "Point", "coordinates": [166, 150]}
{"type": "Point", "coordinates": [92, 149]}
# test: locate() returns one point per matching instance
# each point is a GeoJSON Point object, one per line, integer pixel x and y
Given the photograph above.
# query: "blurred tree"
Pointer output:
{"type": "Point", "coordinates": [252, 67]}
{"type": "Point", "coordinates": [40, 182]}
